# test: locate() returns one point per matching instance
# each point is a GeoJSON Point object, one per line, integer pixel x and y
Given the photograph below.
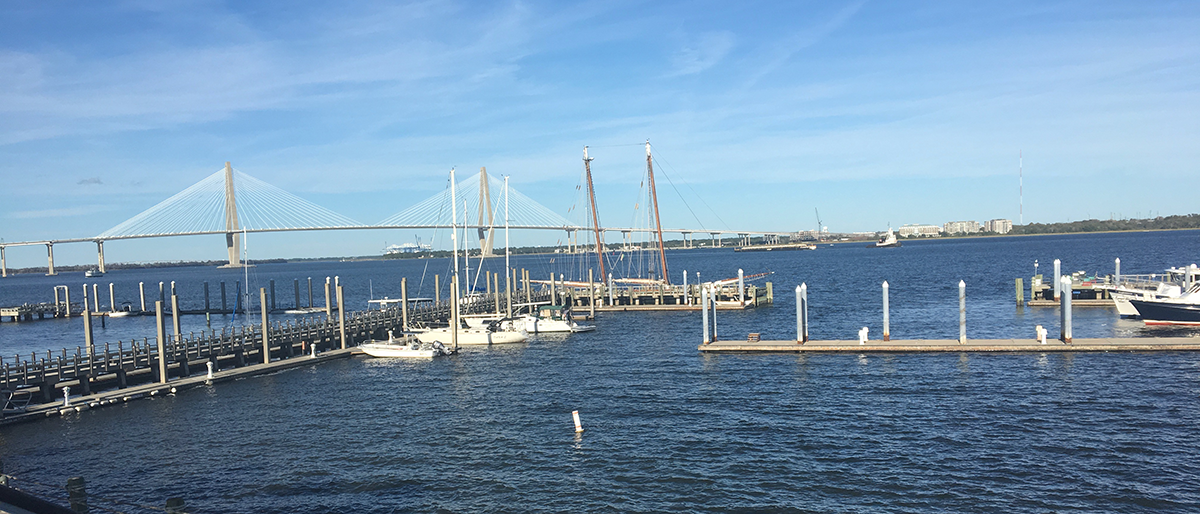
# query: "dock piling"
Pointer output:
{"type": "Point", "coordinates": [224, 305]}
{"type": "Point", "coordinates": [296, 285]}
{"type": "Point", "coordinates": [962, 312]}
{"type": "Point", "coordinates": [1065, 311]}
{"type": "Point", "coordinates": [175, 316]}
{"type": "Point", "coordinates": [328, 305]}
{"type": "Point", "coordinates": [704, 314]}
{"type": "Point", "coordinates": [804, 310]}
{"type": "Point", "coordinates": [592, 292]}
{"type": "Point", "coordinates": [207, 307]}
{"type": "Point", "coordinates": [77, 495]}
{"type": "Point", "coordinates": [713, 294]}
{"type": "Point", "coordinates": [437, 290]}
{"type": "Point", "coordinates": [741, 287]}
{"type": "Point", "coordinates": [887, 332]}
{"type": "Point", "coordinates": [404, 303]}
{"type": "Point", "coordinates": [1117, 274]}
{"type": "Point", "coordinates": [1058, 279]}
{"type": "Point", "coordinates": [1020, 292]}
{"type": "Point", "coordinates": [310, 295]}
{"type": "Point", "coordinates": [162, 345]}
{"type": "Point", "coordinates": [799, 314]}
{"type": "Point", "coordinates": [341, 317]}
{"type": "Point", "coordinates": [95, 297]}
{"type": "Point", "coordinates": [272, 284]}
{"type": "Point", "coordinates": [266, 327]}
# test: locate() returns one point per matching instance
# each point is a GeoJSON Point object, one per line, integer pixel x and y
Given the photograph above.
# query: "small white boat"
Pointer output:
{"type": "Point", "coordinates": [553, 318]}
{"type": "Point", "coordinates": [94, 272]}
{"type": "Point", "coordinates": [887, 241]}
{"type": "Point", "coordinates": [406, 347]}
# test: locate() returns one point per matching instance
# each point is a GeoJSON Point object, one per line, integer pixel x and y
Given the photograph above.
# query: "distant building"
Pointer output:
{"type": "Point", "coordinates": [998, 226]}
{"type": "Point", "coordinates": [960, 227]}
{"type": "Point", "coordinates": [919, 230]}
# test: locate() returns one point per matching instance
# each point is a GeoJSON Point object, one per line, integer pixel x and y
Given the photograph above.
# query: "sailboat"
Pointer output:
{"type": "Point", "coordinates": [405, 347]}
{"type": "Point", "coordinates": [459, 332]}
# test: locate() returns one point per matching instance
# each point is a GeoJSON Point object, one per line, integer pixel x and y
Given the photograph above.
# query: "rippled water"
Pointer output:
{"type": "Point", "coordinates": [669, 429]}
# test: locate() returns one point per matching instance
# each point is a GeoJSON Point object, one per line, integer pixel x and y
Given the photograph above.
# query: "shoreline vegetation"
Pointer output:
{"type": "Point", "coordinates": [1161, 223]}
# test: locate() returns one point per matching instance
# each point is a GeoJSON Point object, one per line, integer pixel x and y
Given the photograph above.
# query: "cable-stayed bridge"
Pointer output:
{"type": "Point", "coordinates": [233, 203]}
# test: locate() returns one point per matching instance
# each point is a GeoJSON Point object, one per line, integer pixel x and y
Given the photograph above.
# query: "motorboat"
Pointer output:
{"type": "Point", "coordinates": [1184, 310]}
{"type": "Point", "coordinates": [1122, 294]}
{"type": "Point", "coordinates": [494, 333]}
{"type": "Point", "coordinates": [553, 318]}
{"type": "Point", "coordinates": [94, 272]}
{"type": "Point", "coordinates": [887, 241]}
{"type": "Point", "coordinates": [405, 347]}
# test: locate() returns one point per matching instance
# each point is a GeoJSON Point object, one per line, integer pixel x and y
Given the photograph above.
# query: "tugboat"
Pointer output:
{"type": "Point", "coordinates": [94, 272]}
{"type": "Point", "coordinates": [887, 241]}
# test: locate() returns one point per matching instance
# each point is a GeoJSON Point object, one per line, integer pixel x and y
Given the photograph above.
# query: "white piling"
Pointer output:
{"type": "Point", "coordinates": [687, 299]}
{"type": "Point", "coordinates": [741, 287]}
{"type": "Point", "coordinates": [67, 396]}
{"type": "Point", "coordinates": [962, 312]}
{"type": "Point", "coordinates": [1057, 278]}
{"type": "Point", "coordinates": [210, 371]}
{"type": "Point", "coordinates": [804, 310]}
{"type": "Point", "coordinates": [799, 315]}
{"type": "Point", "coordinates": [1041, 334]}
{"type": "Point", "coordinates": [1117, 275]}
{"type": "Point", "coordinates": [142, 294]}
{"type": "Point", "coordinates": [578, 425]}
{"type": "Point", "coordinates": [862, 335]}
{"type": "Point", "coordinates": [610, 290]}
{"type": "Point", "coordinates": [1065, 311]}
{"type": "Point", "coordinates": [704, 313]}
{"type": "Point", "coordinates": [887, 332]}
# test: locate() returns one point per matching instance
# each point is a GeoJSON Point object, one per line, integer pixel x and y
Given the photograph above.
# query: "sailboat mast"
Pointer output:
{"type": "Point", "coordinates": [662, 252]}
{"type": "Point", "coordinates": [507, 270]}
{"type": "Point", "coordinates": [454, 224]}
{"type": "Point", "coordinates": [587, 166]}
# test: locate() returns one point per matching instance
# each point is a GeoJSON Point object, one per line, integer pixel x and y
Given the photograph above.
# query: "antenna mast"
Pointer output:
{"type": "Point", "coordinates": [1021, 185]}
{"type": "Point", "coordinates": [587, 166]}
{"type": "Point", "coordinates": [662, 253]}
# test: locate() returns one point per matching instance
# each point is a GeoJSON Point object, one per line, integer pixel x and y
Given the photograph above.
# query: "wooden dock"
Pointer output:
{"type": "Point", "coordinates": [113, 397]}
{"type": "Point", "coordinates": [1136, 344]}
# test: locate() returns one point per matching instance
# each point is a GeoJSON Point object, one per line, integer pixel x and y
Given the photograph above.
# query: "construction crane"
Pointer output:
{"type": "Point", "coordinates": [819, 224]}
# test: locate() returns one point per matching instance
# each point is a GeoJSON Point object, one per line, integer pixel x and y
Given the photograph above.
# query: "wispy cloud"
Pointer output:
{"type": "Point", "coordinates": [701, 53]}
{"type": "Point", "coordinates": [65, 212]}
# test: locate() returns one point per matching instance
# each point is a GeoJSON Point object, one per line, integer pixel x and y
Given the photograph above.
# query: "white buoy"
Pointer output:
{"type": "Point", "coordinates": [578, 425]}
{"type": "Point", "coordinates": [66, 397]}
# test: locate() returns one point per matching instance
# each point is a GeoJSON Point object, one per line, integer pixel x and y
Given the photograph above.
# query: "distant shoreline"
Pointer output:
{"type": "Point", "coordinates": [116, 266]}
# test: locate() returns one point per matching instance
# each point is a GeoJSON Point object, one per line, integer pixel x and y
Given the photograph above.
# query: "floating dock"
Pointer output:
{"type": "Point", "coordinates": [1138, 344]}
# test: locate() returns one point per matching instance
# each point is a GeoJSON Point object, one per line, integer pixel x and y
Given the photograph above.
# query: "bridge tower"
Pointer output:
{"type": "Point", "coordinates": [485, 214]}
{"type": "Point", "coordinates": [233, 239]}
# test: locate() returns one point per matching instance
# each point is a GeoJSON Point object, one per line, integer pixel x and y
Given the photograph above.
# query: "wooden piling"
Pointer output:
{"type": "Point", "coordinates": [404, 303]}
{"type": "Point", "coordinates": [341, 317]}
{"type": "Point", "coordinates": [162, 338]}
{"type": "Point", "coordinates": [266, 327]}
{"type": "Point", "coordinates": [224, 306]}
{"type": "Point", "coordinates": [175, 315]}
{"type": "Point", "coordinates": [328, 305]}
{"type": "Point", "coordinates": [296, 284]}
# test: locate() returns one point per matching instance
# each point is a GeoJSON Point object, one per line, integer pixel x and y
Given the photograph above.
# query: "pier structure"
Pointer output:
{"type": "Point", "coordinates": [100, 374]}
{"type": "Point", "coordinates": [753, 343]}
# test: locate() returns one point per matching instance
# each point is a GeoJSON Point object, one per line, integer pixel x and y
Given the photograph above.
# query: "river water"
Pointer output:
{"type": "Point", "coordinates": [667, 427]}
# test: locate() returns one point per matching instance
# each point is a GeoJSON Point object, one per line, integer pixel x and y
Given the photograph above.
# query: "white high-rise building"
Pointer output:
{"type": "Point", "coordinates": [999, 226]}
{"type": "Point", "coordinates": [960, 227]}
{"type": "Point", "coordinates": [919, 230]}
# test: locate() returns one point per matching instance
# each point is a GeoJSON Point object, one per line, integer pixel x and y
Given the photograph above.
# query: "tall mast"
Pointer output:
{"type": "Point", "coordinates": [587, 166]}
{"type": "Point", "coordinates": [454, 224]}
{"type": "Point", "coordinates": [506, 252]}
{"type": "Point", "coordinates": [662, 252]}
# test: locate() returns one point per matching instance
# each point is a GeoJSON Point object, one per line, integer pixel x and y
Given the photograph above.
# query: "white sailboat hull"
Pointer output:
{"type": "Point", "coordinates": [472, 336]}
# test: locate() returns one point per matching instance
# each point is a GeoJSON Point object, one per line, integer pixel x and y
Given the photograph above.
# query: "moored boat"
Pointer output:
{"type": "Point", "coordinates": [553, 318]}
{"type": "Point", "coordinates": [887, 241]}
{"type": "Point", "coordinates": [405, 347]}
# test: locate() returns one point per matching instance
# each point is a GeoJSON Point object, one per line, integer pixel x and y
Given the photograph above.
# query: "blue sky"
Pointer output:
{"type": "Point", "coordinates": [876, 113]}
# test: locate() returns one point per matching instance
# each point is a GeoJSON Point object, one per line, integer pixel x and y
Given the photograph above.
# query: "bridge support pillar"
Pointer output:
{"type": "Point", "coordinates": [50, 260]}
{"type": "Point", "coordinates": [100, 255]}
{"type": "Point", "coordinates": [3, 264]}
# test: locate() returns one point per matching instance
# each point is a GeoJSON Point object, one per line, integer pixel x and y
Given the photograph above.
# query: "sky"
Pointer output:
{"type": "Point", "coordinates": [876, 114]}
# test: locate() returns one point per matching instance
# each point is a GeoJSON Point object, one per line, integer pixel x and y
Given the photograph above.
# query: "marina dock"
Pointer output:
{"type": "Point", "coordinates": [1138, 344]}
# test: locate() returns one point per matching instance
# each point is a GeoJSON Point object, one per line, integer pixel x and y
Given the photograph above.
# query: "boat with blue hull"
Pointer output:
{"type": "Point", "coordinates": [1179, 311]}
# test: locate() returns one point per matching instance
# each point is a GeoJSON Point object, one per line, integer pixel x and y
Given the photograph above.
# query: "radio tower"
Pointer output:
{"type": "Point", "coordinates": [1021, 186]}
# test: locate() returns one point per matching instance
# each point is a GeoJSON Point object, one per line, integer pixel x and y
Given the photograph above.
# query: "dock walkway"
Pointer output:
{"type": "Point", "coordinates": [1138, 344]}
